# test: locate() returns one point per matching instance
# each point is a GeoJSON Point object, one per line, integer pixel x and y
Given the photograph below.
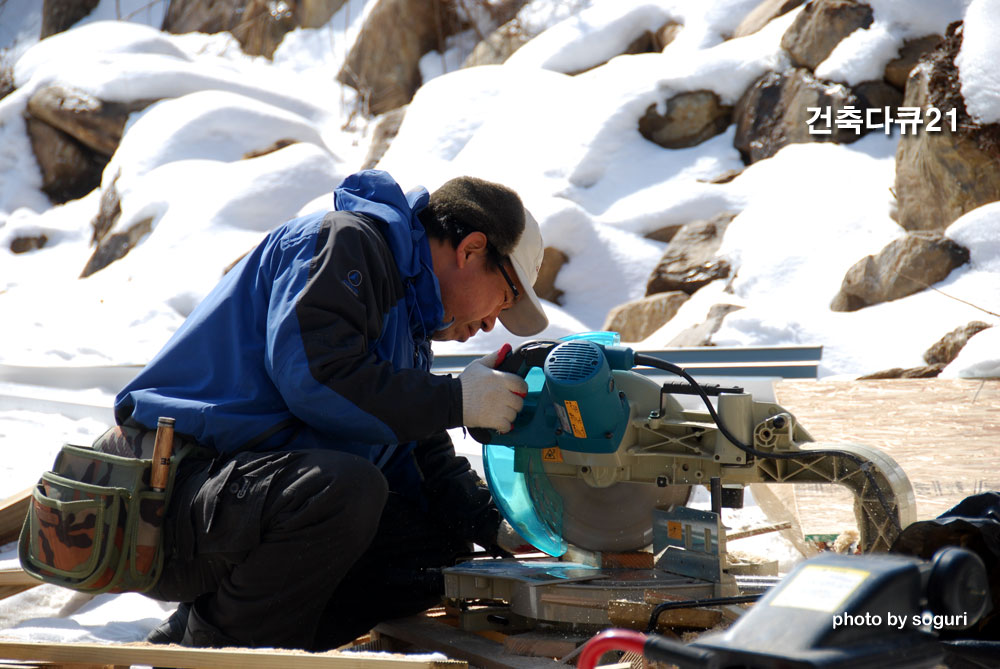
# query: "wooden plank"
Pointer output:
{"type": "Point", "coordinates": [757, 531]}
{"type": "Point", "coordinates": [12, 513]}
{"type": "Point", "coordinates": [543, 644]}
{"type": "Point", "coordinates": [944, 433]}
{"type": "Point", "coordinates": [211, 658]}
{"type": "Point", "coordinates": [428, 634]}
{"type": "Point", "coordinates": [15, 576]}
{"type": "Point", "coordinates": [15, 580]}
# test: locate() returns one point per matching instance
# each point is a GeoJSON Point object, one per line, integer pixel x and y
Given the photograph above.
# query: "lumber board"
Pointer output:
{"type": "Point", "coordinates": [944, 433]}
{"type": "Point", "coordinates": [211, 658]}
{"type": "Point", "coordinates": [15, 580]}
{"type": "Point", "coordinates": [425, 633]}
{"type": "Point", "coordinates": [12, 513]}
{"type": "Point", "coordinates": [539, 644]}
{"type": "Point", "coordinates": [14, 576]}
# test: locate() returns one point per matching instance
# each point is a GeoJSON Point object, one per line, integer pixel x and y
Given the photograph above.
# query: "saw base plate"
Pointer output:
{"type": "Point", "coordinates": [568, 595]}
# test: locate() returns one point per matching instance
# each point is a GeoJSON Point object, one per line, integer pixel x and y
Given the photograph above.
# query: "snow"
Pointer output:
{"type": "Point", "coordinates": [863, 55]}
{"type": "Point", "coordinates": [567, 144]}
{"type": "Point", "coordinates": [589, 38]}
{"type": "Point", "coordinates": [980, 80]}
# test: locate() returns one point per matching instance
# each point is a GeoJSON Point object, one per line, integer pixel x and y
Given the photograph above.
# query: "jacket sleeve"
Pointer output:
{"type": "Point", "coordinates": [328, 304]}
{"type": "Point", "coordinates": [455, 493]}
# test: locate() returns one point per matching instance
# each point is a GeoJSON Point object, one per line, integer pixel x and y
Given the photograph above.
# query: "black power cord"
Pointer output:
{"type": "Point", "coordinates": [863, 466]}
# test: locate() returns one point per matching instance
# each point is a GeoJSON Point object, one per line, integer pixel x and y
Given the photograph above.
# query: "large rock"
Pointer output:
{"type": "Point", "coordinates": [385, 131]}
{"type": "Point", "coordinates": [948, 347]}
{"type": "Point", "coordinates": [690, 261]}
{"type": "Point", "coordinates": [777, 109]}
{"type": "Point", "coordinates": [116, 246]}
{"type": "Point", "coordinates": [108, 212]}
{"type": "Point", "coordinates": [545, 284]}
{"type": "Point", "coordinates": [315, 13]}
{"type": "Point", "coordinates": [94, 123]}
{"type": "Point", "coordinates": [73, 135]}
{"type": "Point", "coordinates": [906, 266]}
{"type": "Point", "coordinates": [384, 63]}
{"type": "Point", "coordinates": [258, 25]}
{"type": "Point", "coordinates": [638, 319]}
{"type": "Point", "coordinates": [820, 27]}
{"type": "Point", "coordinates": [898, 69]}
{"type": "Point", "coordinates": [58, 15]}
{"type": "Point", "coordinates": [943, 174]}
{"type": "Point", "coordinates": [499, 45]}
{"type": "Point", "coordinates": [690, 119]}
{"type": "Point", "coordinates": [764, 13]}
{"type": "Point", "coordinates": [69, 169]}
{"type": "Point", "coordinates": [666, 233]}
{"type": "Point", "coordinates": [701, 334]}
{"type": "Point", "coordinates": [924, 372]}
{"type": "Point", "coordinates": [28, 243]}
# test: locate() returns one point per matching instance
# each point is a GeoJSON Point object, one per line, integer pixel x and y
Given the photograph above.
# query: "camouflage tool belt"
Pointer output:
{"type": "Point", "coordinates": [94, 522]}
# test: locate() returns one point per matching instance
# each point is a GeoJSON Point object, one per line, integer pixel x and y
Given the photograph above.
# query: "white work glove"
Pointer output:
{"type": "Point", "coordinates": [510, 541]}
{"type": "Point", "coordinates": [490, 398]}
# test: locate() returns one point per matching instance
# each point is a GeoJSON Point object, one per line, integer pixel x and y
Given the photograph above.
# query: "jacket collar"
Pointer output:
{"type": "Point", "coordinates": [376, 194]}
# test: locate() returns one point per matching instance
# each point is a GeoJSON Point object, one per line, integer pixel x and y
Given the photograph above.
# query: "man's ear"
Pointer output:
{"type": "Point", "coordinates": [474, 244]}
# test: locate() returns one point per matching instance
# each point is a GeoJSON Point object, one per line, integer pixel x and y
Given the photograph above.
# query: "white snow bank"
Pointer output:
{"type": "Point", "coordinates": [977, 61]}
{"type": "Point", "coordinates": [210, 125]}
{"type": "Point", "coordinates": [863, 55]}
{"type": "Point", "coordinates": [979, 358]}
{"type": "Point", "coordinates": [979, 231]}
{"type": "Point", "coordinates": [591, 37]}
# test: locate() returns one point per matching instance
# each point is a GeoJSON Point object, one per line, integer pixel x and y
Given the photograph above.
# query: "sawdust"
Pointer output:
{"type": "Point", "coordinates": [944, 433]}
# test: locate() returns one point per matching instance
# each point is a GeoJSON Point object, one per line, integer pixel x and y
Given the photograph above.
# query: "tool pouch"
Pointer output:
{"type": "Point", "coordinates": [94, 523]}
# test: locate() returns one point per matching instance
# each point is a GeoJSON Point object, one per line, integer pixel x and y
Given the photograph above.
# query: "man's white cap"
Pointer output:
{"type": "Point", "coordinates": [464, 204]}
{"type": "Point", "coordinates": [527, 317]}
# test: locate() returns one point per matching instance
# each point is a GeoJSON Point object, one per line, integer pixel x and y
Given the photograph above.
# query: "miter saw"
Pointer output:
{"type": "Point", "coordinates": [599, 463]}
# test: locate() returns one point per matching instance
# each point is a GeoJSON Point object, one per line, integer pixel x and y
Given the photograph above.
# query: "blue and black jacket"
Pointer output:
{"type": "Point", "coordinates": [320, 338]}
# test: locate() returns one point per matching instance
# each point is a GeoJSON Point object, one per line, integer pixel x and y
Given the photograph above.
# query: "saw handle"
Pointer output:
{"type": "Point", "coordinates": [518, 361]}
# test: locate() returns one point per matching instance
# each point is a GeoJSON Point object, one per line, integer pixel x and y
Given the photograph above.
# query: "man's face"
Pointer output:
{"type": "Point", "coordinates": [473, 291]}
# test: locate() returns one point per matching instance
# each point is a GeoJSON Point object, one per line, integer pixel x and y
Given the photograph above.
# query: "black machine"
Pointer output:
{"type": "Point", "coordinates": [839, 611]}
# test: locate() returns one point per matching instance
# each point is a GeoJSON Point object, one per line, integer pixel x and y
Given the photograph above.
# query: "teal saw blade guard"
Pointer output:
{"type": "Point", "coordinates": [520, 487]}
{"type": "Point", "coordinates": [514, 494]}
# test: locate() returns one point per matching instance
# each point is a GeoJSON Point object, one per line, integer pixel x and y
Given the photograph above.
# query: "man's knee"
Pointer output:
{"type": "Point", "coordinates": [327, 488]}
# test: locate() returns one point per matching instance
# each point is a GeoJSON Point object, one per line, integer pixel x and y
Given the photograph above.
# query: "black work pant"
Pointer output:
{"type": "Point", "coordinates": [301, 549]}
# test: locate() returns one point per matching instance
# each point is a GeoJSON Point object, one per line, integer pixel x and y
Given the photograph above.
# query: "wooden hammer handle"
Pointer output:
{"type": "Point", "coordinates": [162, 450]}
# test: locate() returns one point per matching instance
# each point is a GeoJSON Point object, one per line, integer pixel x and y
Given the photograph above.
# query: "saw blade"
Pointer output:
{"type": "Point", "coordinates": [617, 518]}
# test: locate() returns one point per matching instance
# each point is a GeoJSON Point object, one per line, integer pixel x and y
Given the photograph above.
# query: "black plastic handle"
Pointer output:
{"type": "Point", "coordinates": [519, 361]}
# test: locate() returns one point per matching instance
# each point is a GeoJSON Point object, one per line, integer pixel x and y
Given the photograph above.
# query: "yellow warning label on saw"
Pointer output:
{"type": "Point", "coordinates": [552, 454]}
{"type": "Point", "coordinates": [575, 419]}
{"type": "Point", "coordinates": [674, 530]}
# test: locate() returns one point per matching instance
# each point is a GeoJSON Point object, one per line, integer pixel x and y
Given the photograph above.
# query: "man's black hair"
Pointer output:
{"type": "Point", "coordinates": [467, 204]}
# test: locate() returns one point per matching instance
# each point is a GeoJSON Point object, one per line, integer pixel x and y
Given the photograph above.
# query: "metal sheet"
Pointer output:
{"type": "Point", "coordinates": [686, 542]}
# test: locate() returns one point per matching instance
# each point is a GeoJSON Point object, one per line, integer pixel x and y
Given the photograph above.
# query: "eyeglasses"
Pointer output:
{"type": "Point", "coordinates": [461, 232]}
{"type": "Point", "coordinates": [510, 283]}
